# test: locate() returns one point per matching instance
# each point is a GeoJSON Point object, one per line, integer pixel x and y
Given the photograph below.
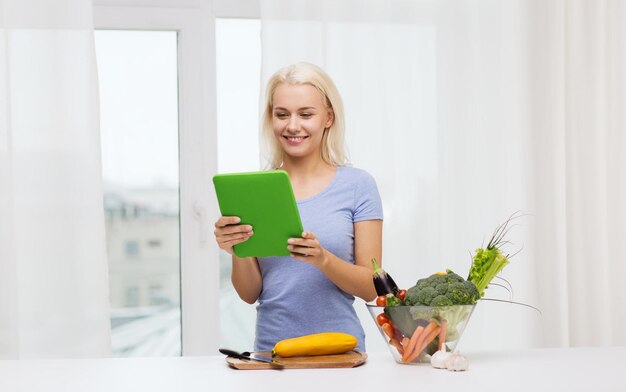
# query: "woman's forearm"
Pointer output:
{"type": "Point", "coordinates": [352, 278]}
{"type": "Point", "coordinates": [246, 278]}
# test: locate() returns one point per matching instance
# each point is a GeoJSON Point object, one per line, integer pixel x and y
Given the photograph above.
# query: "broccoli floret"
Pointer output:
{"type": "Point", "coordinates": [442, 289]}
{"type": "Point", "coordinates": [453, 278]}
{"type": "Point", "coordinates": [422, 283]}
{"type": "Point", "coordinates": [420, 297]}
{"type": "Point", "coordinates": [471, 288]}
{"type": "Point", "coordinates": [459, 294]}
{"type": "Point", "coordinates": [441, 300]}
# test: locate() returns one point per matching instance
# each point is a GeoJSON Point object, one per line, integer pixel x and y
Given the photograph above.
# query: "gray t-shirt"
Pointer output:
{"type": "Point", "coordinates": [297, 299]}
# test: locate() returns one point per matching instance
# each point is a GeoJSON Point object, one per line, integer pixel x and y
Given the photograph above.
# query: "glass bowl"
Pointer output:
{"type": "Point", "coordinates": [413, 333]}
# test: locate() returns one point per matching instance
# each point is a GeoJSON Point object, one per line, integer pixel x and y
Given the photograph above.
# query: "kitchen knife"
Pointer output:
{"type": "Point", "coordinates": [249, 355]}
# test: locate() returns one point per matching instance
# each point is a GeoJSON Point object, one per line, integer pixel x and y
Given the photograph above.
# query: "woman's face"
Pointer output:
{"type": "Point", "coordinates": [299, 118]}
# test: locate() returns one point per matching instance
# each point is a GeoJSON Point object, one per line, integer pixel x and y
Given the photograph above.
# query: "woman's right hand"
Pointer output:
{"type": "Point", "coordinates": [229, 233]}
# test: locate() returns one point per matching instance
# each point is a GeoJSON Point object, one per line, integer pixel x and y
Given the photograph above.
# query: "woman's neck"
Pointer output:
{"type": "Point", "coordinates": [303, 169]}
{"type": "Point", "coordinates": [308, 178]}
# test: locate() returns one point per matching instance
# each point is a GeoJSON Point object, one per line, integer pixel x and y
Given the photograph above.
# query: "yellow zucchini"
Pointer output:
{"type": "Point", "coordinates": [325, 343]}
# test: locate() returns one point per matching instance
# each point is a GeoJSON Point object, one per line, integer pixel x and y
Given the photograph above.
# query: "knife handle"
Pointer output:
{"type": "Point", "coordinates": [232, 353]}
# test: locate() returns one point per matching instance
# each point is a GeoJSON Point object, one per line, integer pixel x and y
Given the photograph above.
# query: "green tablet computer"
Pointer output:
{"type": "Point", "coordinates": [264, 200]}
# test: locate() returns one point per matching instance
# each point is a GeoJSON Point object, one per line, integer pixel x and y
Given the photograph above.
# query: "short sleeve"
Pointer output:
{"type": "Point", "coordinates": [367, 202]}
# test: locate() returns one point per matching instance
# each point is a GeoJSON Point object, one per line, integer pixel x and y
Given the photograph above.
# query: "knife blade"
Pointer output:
{"type": "Point", "coordinates": [249, 355]}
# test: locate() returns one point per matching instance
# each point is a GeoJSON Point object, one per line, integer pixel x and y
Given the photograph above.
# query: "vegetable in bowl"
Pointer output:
{"type": "Point", "coordinates": [433, 298]}
{"type": "Point", "coordinates": [431, 315]}
{"type": "Point", "coordinates": [412, 331]}
{"type": "Point", "coordinates": [489, 261]}
{"type": "Point", "coordinates": [442, 289]}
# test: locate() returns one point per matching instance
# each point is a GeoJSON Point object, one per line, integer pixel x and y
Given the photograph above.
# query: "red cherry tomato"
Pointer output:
{"type": "Point", "coordinates": [381, 300]}
{"type": "Point", "coordinates": [382, 319]}
{"type": "Point", "coordinates": [401, 294]}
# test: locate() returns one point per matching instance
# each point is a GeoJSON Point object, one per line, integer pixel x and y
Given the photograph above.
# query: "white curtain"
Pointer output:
{"type": "Point", "coordinates": [53, 271]}
{"type": "Point", "coordinates": [468, 111]}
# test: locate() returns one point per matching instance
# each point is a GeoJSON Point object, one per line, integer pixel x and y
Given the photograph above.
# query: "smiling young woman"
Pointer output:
{"type": "Point", "coordinates": [313, 290]}
{"type": "Point", "coordinates": [300, 121]}
{"type": "Point", "coordinates": [313, 88]}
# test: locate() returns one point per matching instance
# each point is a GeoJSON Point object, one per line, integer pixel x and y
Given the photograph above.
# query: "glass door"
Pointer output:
{"type": "Point", "coordinates": [138, 79]}
{"type": "Point", "coordinates": [238, 65]}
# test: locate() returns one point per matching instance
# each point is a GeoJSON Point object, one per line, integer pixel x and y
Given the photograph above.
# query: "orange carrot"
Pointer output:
{"type": "Point", "coordinates": [427, 338]}
{"type": "Point", "coordinates": [442, 334]}
{"type": "Point", "coordinates": [405, 343]}
{"type": "Point", "coordinates": [388, 330]}
{"type": "Point", "coordinates": [394, 342]}
{"type": "Point", "coordinates": [397, 334]}
{"type": "Point", "coordinates": [430, 338]}
{"type": "Point", "coordinates": [408, 349]}
{"type": "Point", "coordinates": [414, 350]}
{"type": "Point", "coordinates": [429, 328]}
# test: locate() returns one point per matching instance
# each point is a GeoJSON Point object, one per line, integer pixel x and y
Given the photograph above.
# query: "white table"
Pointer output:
{"type": "Point", "coordinates": [580, 369]}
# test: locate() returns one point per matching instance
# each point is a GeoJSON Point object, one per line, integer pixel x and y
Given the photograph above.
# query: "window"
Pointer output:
{"type": "Point", "coordinates": [131, 300]}
{"type": "Point", "coordinates": [238, 57]}
{"type": "Point", "coordinates": [139, 130]}
{"type": "Point", "coordinates": [154, 243]}
{"type": "Point", "coordinates": [199, 316]}
{"type": "Point", "coordinates": [131, 247]}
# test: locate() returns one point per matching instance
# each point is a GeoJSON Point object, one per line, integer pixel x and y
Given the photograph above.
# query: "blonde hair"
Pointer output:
{"type": "Point", "coordinates": [333, 144]}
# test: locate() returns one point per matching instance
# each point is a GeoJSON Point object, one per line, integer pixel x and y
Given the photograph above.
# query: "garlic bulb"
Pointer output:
{"type": "Point", "coordinates": [438, 360]}
{"type": "Point", "coordinates": [457, 362]}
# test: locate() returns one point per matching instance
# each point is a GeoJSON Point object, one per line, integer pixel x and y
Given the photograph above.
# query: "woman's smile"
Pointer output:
{"type": "Point", "coordinates": [295, 140]}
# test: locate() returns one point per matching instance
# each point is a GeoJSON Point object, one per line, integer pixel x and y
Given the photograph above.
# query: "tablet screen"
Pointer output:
{"type": "Point", "coordinates": [264, 200]}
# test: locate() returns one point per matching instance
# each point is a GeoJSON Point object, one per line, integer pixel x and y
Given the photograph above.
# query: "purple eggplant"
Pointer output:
{"type": "Point", "coordinates": [383, 282]}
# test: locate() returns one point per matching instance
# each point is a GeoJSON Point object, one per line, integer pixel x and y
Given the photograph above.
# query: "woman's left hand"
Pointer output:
{"type": "Point", "coordinates": [307, 248]}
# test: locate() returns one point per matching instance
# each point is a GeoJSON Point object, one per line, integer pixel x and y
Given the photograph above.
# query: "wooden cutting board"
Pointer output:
{"type": "Point", "coordinates": [346, 360]}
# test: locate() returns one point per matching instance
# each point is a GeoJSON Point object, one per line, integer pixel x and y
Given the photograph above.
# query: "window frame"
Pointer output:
{"type": "Point", "coordinates": [194, 20]}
